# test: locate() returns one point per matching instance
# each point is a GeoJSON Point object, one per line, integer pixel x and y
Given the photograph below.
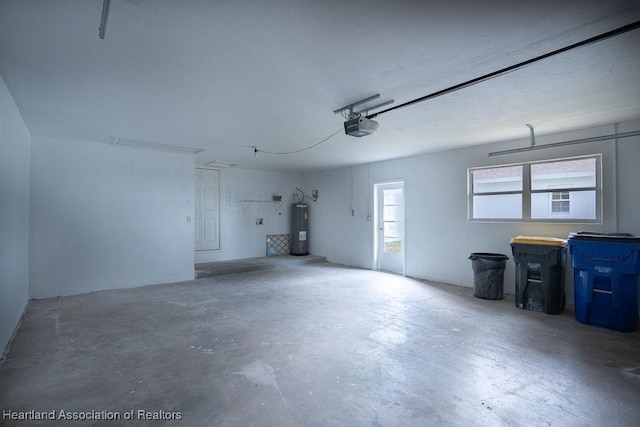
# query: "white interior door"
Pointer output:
{"type": "Point", "coordinates": [207, 210]}
{"type": "Point", "coordinates": [390, 233]}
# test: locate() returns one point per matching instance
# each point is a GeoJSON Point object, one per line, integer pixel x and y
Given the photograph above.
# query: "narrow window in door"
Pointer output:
{"type": "Point", "coordinates": [393, 221]}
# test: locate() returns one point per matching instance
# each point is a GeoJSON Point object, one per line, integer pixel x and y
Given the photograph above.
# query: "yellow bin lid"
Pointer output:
{"type": "Point", "coordinates": [533, 240]}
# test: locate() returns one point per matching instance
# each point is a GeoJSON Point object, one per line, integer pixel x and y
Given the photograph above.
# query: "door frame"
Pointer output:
{"type": "Point", "coordinates": [375, 264]}
{"type": "Point", "coordinates": [218, 210]}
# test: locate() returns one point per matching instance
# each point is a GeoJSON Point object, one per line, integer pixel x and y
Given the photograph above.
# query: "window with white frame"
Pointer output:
{"type": "Point", "coordinates": [560, 190]}
{"type": "Point", "coordinates": [560, 202]}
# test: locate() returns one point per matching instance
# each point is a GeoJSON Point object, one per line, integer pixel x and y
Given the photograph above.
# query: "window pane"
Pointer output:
{"type": "Point", "coordinates": [392, 197]}
{"type": "Point", "coordinates": [392, 246]}
{"type": "Point", "coordinates": [393, 229]}
{"type": "Point", "coordinates": [579, 205]}
{"type": "Point", "coordinates": [492, 180]}
{"type": "Point", "coordinates": [560, 206]}
{"type": "Point", "coordinates": [392, 213]}
{"type": "Point", "coordinates": [565, 174]}
{"type": "Point", "coordinates": [501, 206]}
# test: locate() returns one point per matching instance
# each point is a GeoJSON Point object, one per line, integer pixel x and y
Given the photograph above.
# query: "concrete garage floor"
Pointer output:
{"type": "Point", "coordinates": [317, 345]}
{"type": "Point", "coordinates": [221, 268]}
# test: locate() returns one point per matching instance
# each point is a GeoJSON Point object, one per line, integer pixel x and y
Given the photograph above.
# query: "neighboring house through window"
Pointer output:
{"type": "Point", "coordinates": [561, 202]}
{"type": "Point", "coordinates": [564, 190]}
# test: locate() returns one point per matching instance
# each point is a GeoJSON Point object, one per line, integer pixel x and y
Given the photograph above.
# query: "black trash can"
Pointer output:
{"type": "Point", "coordinates": [488, 274]}
{"type": "Point", "coordinates": [539, 273]}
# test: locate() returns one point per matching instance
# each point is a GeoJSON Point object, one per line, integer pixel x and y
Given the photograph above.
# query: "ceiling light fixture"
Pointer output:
{"type": "Point", "coordinates": [103, 20]}
{"type": "Point", "coordinates": [221, 164]}
{"type": "Point", "coordinates": [150, 145]}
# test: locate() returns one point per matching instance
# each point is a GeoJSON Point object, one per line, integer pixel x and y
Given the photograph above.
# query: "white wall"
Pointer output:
{"type": "Point", "coordinates": [106, 217]}
{"type": "Point", "coordinates": [439, 236]}
{"type": "Point", "coordinates": [628, 180]}
{"type": "Point", "coordinates": [15, 141]}
{"type": "Point", "coordinates": [239, 234]}
{"type": "Point", "coordinates": [333, 231]}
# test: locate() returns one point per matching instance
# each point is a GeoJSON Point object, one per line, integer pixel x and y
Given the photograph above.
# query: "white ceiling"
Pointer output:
{"type": "Point", "coordinates": [225, 75]}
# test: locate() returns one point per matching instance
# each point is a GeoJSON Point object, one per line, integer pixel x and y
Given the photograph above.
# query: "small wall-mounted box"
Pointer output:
{"type": "Point", "coordinates": [276, 198]}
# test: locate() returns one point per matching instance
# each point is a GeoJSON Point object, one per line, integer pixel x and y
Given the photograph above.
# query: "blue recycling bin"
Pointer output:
{"type": "Point", "coordinates": [606, 273]}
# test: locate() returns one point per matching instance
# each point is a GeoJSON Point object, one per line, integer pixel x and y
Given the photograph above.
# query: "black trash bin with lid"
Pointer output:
{"type": "Point", "coordinates": [488, 274]}
{"type": "Point", "coordinates": [539, 273]}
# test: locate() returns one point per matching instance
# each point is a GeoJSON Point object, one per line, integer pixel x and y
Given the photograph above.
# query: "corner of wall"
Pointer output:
{"type": "Point", "coordinates": [15, 153]}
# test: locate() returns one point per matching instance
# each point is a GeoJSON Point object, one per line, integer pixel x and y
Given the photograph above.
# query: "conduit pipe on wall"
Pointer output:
{"type": "Point", "coordinates": [533, 135]}
{"type": "Point", "coordinates": [570, 142]}
{"type": "Point", "coordinates": [106, 4]}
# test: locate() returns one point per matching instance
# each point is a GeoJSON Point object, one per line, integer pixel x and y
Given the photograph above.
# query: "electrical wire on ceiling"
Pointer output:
{"type": "Point", "coordinates": [633, 26]}
{"type": "Point", "coordinates": [256, 150]}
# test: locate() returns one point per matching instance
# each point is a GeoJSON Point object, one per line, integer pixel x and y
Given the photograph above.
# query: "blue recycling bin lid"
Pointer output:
{"type": "Point", "coordinates": [605, 237]}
